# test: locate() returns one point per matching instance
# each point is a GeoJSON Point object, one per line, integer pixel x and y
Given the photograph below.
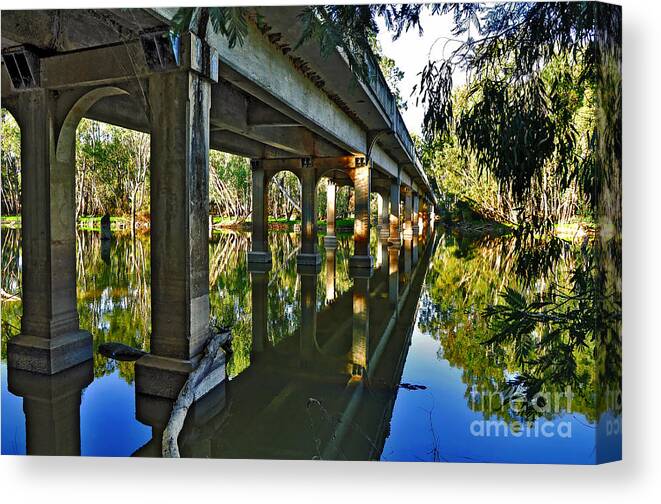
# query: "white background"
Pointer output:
{"type": "Point", "coordinates": [637, 479]}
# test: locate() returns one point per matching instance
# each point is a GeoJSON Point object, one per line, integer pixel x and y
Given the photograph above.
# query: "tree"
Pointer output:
{"type": "Point", "coordinates": [11, 164]}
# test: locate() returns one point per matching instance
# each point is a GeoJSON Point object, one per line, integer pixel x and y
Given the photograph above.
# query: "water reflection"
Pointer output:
{"type": "Point", "coordinates": [396, 366]}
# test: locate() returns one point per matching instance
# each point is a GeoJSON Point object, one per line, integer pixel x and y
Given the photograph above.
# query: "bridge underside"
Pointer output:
{"type": "Point", "coordinates": [120, 66]}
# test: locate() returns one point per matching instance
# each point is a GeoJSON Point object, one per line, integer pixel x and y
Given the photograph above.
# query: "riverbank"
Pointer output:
{"type": "Point", "coordinates": [120, 223]}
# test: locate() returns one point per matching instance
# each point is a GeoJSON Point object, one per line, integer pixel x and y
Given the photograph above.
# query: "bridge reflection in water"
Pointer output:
{"type": "Point", "coordinates": [325, 391]}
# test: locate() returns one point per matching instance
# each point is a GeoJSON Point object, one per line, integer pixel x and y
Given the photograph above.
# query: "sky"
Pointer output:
{"type": "Point", "coordinates": [411, 52]}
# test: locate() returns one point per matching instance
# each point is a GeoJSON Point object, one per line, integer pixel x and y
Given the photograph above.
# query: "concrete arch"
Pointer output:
{"type": "Point", "coordinates": [327, 172]}
{"type": "Point", "coordinates": [67, 135]}
{"type": "Point", "coordinates": [274, 174]}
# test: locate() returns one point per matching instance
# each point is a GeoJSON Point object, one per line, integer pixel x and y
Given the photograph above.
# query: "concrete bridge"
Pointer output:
{"type": "Point", "coordinates": [285, 108]}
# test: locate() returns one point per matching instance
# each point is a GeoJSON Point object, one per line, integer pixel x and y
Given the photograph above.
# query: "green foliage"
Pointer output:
{"type": "Point", "coordinates": [10, 162]}
{"type": "Point", "coordinates": [230, 22]}
{"type": "Point", "coordinates": [230, 193]}
{"type": "Point", "coordinates": [493, 187]}
{"type": "Point", "coordinates": [515, 330]}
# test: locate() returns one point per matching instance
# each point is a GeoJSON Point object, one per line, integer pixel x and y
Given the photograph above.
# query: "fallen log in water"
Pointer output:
{"type": "Point", "coordinates": [187, 394]}
{"type": "Point", "coordinates": [120, 351]}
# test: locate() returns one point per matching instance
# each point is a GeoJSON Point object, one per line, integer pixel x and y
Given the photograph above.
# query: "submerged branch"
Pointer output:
{"type": "Point", "coordinates": [187, 395]}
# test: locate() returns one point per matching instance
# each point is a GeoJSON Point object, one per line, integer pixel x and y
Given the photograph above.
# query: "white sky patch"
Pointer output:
{"type": "Point", "coordinates": [411, 53]}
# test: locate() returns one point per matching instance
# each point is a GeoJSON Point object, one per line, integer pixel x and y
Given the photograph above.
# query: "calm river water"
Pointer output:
{"type": "Point", "coordinates": [434, 388]}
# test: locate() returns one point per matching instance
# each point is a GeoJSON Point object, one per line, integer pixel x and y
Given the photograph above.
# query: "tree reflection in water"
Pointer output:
{"type": "Point", "coordinates": [524, 323]}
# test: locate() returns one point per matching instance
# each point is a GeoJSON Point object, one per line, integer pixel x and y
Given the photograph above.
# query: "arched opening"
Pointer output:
{"type": "Point", "coordinates": [335, 212]}
{"type": "Point", "coordinates": [63, 269]}
{"type": "Point", "coordinates": [10, 279]}
{"type": "Point", "coordinates": [284, 203]}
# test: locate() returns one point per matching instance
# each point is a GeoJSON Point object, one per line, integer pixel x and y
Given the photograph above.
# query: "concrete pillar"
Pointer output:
{"type": "Point", "coordinates": [385, 257]}
{"type": "Point", "coordinates": [361, 259]}
{"type": "Point", "coordinates": [259, 297]}
{"type": "Point", "coordinates": [179, 103]}
{"type": "Point", "coordinates": [360, 326]}
{"type": "Point", "coordinates": [308, 328]}
{"type": "Point", "coordinates": [408, 214]}
{"type": "Point", "coordinates": [394, 239]}
{"type": "Point", "coordinates": [415, 216]}
{"type": "Point", "coordinates": [331, 254]}
{"type": "Point", "coordinates": [51, 404]}
{"type": "Point", "coordinates": [330, 240]}
{"type": "Point", "coordinates": [260, 254]}
{"type": "Point", "coordinates": [50, 339]}
{"type": "Point", "coordinates": [384, 215]}
{"type": "Point", "coordinates": [308, 258]}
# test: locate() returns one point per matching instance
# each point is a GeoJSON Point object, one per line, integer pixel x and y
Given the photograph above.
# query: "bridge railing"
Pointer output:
{"type": "Point", "coordinates": [379, 87]}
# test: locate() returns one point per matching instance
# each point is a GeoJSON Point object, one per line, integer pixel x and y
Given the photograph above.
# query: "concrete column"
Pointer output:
{"type": "Point", "coordinates": [50, 339]}
{"type": "Point", "coordinates": [360, 326]}
{"type": "Point", "coordinates": [408, 214]}
{"type": "Point", "coordinates": [361, 259]}
{"type": "Point", "coordinates": [385, 257]}
{"type": "Point", "coordinates": [331, 254]}
{"type": "Point", "coordinates": [384, 215]}
{"type": "Point", "coordinates": [260, 254]}
{"type": "Point", "coordinates": [308, 328]}
{"type": "Point", "coordinates": [394, 239]}
{"type": "Point", "coordinates": [308, 258]}
{"type": "Point", "coordinates": [51, 404]}
{"type": "Point", "coordinates": [330, 240]}
{"type": "Point", "coordinates": [415, 216]}
{"type": "Point", "coordinates": [179, 103]}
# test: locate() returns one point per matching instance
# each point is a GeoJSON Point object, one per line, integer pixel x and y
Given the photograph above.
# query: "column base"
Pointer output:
{"type": "Point", "coordinates": [361, 266]}
{"type": "Point", "coordinates": [49, 355]}
{"type": "Point", "coordinates": [395, 242]}
{"type": "Point", "coordinates": [50, 387]}
{"type": "Point", "coordinates": [330, 241]}
{"type": "Point", "coordinates": [384, 233]}
{"type": "Point", "coordinates": [259, 257]}
{"type": "Point", "coordinates": [306, 260]}
{"type": "Point", "coordinates": [164, 377]}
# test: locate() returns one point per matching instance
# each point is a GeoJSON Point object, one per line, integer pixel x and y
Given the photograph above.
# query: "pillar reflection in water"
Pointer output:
{"type": "Point", "coordinates": [414, 249]}
{"type": "Point", "coordinates": [308, 329]}
{"type": "Point", "coordinates": [408, 256]}
{"type": "Point", "coordinates": [360, 326]}
{"type": "Point", "coordinates": [331, 258]}
{"type": "Point", "coordinates": [259, 293]}
{"type": "Point", "coordinates": [393, 275]}
{"type": "Point", "coordinates": [51, 404]}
